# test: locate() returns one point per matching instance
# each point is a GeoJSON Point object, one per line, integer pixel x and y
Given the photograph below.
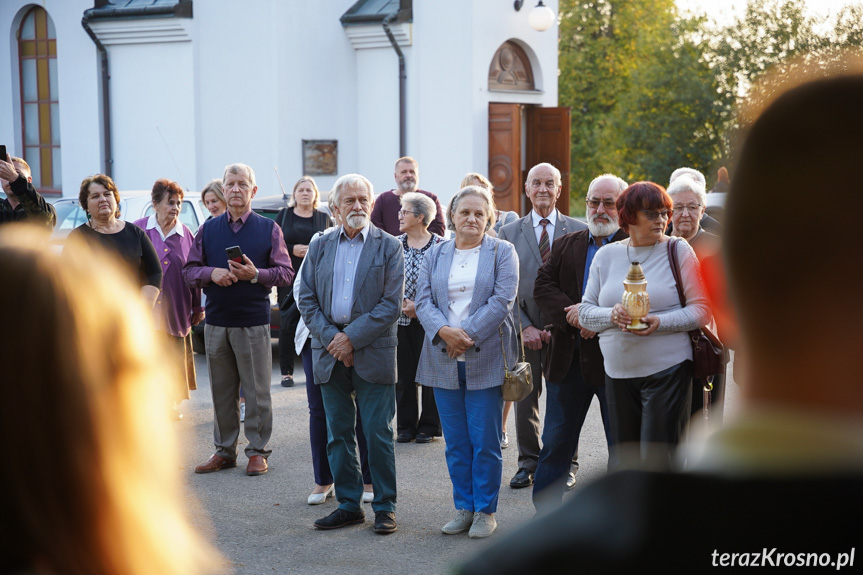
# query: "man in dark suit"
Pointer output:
{"type": "Point", "coordinates": [350, 298]}
{"type": "Point", "coordinates": [574, 367]}
{"type": "Point", "coordinates": [533, 237]}
{"type": "Point", "coordinates": [779, 486]}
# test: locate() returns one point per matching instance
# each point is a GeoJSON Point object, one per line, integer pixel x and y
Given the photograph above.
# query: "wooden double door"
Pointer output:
{"type": "Point", "coordinates": [537, 134]}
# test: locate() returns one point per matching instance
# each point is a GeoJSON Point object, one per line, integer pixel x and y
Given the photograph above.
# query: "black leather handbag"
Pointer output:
{"type": "Point", "coordinates": [709, 356]}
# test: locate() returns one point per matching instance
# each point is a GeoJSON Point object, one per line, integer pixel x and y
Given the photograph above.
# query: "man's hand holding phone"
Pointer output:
{"type": "Point", "coordinates": [240, 267]}
{"type": "Point", "coordinates": [243, 271]}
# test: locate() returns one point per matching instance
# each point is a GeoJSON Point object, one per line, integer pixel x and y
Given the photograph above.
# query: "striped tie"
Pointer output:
{"type": "Point", "coordinates": [544, 248]}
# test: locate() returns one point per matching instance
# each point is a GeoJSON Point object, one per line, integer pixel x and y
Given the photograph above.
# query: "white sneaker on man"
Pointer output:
{"type": "Point", "coordinates": [243, 411]}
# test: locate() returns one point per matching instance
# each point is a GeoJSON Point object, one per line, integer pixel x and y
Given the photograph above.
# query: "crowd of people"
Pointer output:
{"type": "Point", "coordinates": [391, 320]}
{"type": "Point", "coordinates": [394, 322]}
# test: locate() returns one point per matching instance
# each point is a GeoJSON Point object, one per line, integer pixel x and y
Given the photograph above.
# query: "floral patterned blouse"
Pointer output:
{"type": "Point", "coordinates": [413, 261]}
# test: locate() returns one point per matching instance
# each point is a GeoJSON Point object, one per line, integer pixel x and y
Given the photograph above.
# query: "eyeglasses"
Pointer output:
{"type": "Point", "coordinates": [607, 204]}
{"type": "Point", "coordinates": [691, 207]}
{"type": "Point", "coordinates": [654, 215]}
{"type": "Point", "coordinates": [402, 213]}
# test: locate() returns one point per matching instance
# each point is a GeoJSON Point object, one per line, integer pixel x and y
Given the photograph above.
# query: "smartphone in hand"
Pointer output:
{"type": "Point", "coordinates": [235, 254]}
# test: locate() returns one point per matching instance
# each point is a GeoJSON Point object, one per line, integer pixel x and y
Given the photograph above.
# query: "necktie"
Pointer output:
{"type": "Point", "coordinates": [544, 247]}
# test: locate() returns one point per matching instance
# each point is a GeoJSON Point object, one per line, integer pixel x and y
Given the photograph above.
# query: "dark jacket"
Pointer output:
{"type": "Point", "coordinates": [32, 206]}
{"type": "Point", "coordinates": [559, 283]}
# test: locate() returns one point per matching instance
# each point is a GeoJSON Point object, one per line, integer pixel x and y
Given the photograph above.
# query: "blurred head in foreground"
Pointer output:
{"type": "Point", "coordinates": [85, 490]}
{"type": "Point", "coordinates": [797, 297]}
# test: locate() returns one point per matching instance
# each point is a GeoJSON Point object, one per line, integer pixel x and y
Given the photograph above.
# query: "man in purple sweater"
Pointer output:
{"type": "Point", "coordinates": [237, 333]}
{"type": "Point", "coordinates": [385, 215]}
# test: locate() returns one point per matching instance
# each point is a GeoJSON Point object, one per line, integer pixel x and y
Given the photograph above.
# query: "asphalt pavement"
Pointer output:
{"type": "Point", "coordinates": [264, 525]}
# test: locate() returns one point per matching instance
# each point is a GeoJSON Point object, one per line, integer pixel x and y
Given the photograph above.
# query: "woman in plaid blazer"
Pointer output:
{"type": "Point", "coordinates": [465, 295]}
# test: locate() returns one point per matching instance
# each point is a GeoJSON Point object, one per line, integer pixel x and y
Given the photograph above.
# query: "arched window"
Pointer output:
{"type": "Point", "coordinates": [40, 108]}
{"type": "Point", "coordinates": [510, 69]}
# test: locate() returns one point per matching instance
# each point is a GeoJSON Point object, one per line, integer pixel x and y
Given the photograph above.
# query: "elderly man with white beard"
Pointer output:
{"type": "Point", "coordinates": [350, 298]}
{"type": "Point", "coordinates": [574, 371]}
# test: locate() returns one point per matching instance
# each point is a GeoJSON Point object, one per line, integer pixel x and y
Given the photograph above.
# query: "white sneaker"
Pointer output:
{"type": "Point", "coordinates": [368, 496]}
{"type": "Point", "coordinates": [504, 443]}
{"type": "Point", "coordinates": [243, 411]}
{"type": "Point", "coordinates": [461, 523]}
{"type": "Point", "coordinates": [483, 525]}
{"type": "Point", "coordinates": [318, 498]}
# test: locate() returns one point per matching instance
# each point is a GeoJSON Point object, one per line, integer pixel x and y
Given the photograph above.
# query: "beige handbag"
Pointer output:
{"type": "Point", "coordinates": [518, 381]}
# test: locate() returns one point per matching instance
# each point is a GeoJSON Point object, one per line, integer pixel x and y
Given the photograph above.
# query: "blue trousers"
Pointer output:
{"type": "Point", "coordinates": [344, 394]}
{"type": "Point", "coordinates": [567, 404]}
{"type": "Point", "coordinates": [472, 421]}
{"type": "Point", "coordinates": [318, 428]}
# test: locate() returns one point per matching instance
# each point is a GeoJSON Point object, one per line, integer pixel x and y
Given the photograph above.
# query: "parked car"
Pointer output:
{"type": "Point", "coordinates": [269, 206]}
{"type": "Point", "coordinates": [134, 205]}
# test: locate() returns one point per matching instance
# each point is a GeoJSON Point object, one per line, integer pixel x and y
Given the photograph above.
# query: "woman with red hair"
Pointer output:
{"type": "Point", "coordinates": [648, 372]}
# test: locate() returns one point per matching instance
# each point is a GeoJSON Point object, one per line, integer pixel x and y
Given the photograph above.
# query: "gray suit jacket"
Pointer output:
{"type": "Point", "coordinates": [378, 294]}
{"type": "Point", "coordinates": [490, 307]}
{"type": "Point", "coordinates": [520, 233]}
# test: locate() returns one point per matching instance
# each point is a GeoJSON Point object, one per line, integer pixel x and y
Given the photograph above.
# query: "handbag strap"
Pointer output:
{"type": "Point", "coordinates": [518, 311]}
{"type": "Point", "coordinates": [675, 271]}
{"type": "Point", "coordinates": [675, 268]}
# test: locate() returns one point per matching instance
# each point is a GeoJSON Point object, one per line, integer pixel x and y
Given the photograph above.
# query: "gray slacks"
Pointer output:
{"type": "Point", "coordinates": [240, 356]}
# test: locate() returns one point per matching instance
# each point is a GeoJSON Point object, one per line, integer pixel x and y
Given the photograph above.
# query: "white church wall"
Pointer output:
{"type": "Point", "coordinates": [78, 85]}
{"type": "Point", "coordinates": [317, 85]}
{"type": "Point", "coordinates": [152, 100]}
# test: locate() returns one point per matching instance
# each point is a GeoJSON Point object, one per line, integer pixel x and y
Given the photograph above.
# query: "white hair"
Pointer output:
{"type": "Point", "coordinates": [423, 205]}
{"type": "Point", "coordinates": [350, 181]}
{"type": "Point", "coordinates": [688, 184]}
{"type": "Point", "coordinates": [555, 172]}
{"type": "Point", "coordinates": [621, 184]}
{"type": "Point", "coordinates": [691, 172]}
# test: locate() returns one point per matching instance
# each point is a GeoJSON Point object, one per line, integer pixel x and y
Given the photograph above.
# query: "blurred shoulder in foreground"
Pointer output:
{"type": "Point", "coordinates": [780, 485]}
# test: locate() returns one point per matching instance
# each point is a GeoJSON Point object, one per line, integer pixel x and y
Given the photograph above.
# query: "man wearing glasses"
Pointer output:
{"type": "Point", "coordinates": [574, 370]}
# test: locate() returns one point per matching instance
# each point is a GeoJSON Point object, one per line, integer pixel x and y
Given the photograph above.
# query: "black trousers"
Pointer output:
{"type": "Point", "coordinates": [409, 419]}
{"type": "Point", "coordinates": [648, 415]}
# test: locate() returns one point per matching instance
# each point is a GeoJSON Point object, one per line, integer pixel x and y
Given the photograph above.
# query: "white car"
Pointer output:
{"type": "Point", "coordinates": [134, 205]}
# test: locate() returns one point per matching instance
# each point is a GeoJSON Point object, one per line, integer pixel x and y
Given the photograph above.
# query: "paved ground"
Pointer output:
{"type": "Point", "coordinates": [263, 524]}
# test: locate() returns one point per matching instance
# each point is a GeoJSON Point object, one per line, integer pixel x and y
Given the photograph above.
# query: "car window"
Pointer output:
{"type": "Point", "coordinates": [188, 216]}
{"type": "Point", "coordinates": [70, 215]}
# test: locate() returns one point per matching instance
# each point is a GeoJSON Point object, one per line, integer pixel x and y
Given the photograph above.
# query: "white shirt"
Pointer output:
{"type": "Point", "coordinates": [537, 227]}
{"type": "Point", "coordinates": [462, 277]}
{"type": "Point", "coordinates": [153, 223]}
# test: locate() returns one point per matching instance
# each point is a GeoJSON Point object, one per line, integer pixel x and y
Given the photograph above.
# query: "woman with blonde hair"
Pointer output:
{"type": "Point", "coordinates": [214, 199]}
{"type": "Point", "coordinates": [300, 221]}
{"type": "Point", "coordinates": [101, 492]}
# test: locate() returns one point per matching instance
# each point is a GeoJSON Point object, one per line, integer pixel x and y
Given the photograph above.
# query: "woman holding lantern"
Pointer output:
{"type": "Point", "coordinates": [648, 360]}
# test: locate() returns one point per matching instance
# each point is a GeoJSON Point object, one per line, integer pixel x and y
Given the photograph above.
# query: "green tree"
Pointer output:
{"type": "Point", "coordinates": [642, 96]}
{"type": "Point", "coordinates": [774, 40]}
{"type": "Point", "coordinates": [671, 116]}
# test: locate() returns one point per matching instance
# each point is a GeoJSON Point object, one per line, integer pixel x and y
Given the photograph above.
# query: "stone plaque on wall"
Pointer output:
{"type": "Point", "coordinates": [320, 157]}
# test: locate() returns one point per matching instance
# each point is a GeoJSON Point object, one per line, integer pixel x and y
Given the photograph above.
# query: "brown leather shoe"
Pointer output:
{"type": "Point", "coordinates": [257, 465]}
{"type": "Point", "coordinates": [215, 463]}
